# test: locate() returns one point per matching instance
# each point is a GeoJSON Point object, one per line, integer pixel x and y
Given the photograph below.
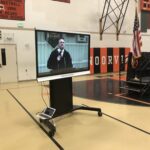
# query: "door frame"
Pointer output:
{"type": "Point", "coordinates": [15, 45]}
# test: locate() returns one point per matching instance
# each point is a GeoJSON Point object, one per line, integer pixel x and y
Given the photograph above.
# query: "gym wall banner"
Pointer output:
{"type": "Point", "coordinates": [66, 1]}
{"type": "Point", "coordinates": [145, 5]}
{"type": "Point", "coordinates": [104, 60]}
{"type": "Point", "coordinates": [12, 9]}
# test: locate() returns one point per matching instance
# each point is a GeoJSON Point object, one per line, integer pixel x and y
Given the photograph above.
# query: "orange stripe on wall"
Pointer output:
{"type": "Point", "coordinates": [103, 60]}
{"type": "Point", "coordinates": [92, 60]}
{"type": "Point", "coordinates": [115, 59]}
{"type": "Point", "coordinates": [127, 50]}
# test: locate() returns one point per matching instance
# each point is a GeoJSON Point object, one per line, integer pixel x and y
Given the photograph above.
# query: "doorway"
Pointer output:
{"type": "Point", "coordinates": [8, 63]}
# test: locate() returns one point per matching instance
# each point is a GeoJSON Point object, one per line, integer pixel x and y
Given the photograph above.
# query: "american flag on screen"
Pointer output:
{"type": "Point", "coordinates": [137, 41]}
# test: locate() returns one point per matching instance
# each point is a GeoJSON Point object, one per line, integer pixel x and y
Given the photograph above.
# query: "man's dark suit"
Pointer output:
{"type": "Point", "coordinates": [63, 62]}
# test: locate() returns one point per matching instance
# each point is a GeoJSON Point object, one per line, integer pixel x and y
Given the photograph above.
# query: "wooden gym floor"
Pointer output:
{"type": "Point", "coordinates": [125, 124]}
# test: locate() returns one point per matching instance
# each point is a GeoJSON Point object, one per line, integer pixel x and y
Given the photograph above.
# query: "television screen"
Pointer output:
{"type": "Point", "coordinates": [60, 54]}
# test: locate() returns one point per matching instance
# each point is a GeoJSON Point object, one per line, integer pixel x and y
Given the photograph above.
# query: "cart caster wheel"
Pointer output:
{"type": "Point", "coordinates": [51, 134]}
{"type": "Point", "coordinates": [40, 120]}
{"type": "Point", "coordinates": [99, 114]}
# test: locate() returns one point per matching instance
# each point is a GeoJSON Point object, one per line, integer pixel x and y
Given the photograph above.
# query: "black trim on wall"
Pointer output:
{"type": "Point", "coordinates": [96, 60]}
{"type": "Point", "coordinates": [109, 59]}
{"type": "Point", "coordinates": [122, 59]}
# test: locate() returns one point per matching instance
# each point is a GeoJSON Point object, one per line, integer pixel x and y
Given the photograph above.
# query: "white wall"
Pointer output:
{"type": "Point", "coordinates": [78, 16]}
{"type": "Point", "coordinates": [25, 41]}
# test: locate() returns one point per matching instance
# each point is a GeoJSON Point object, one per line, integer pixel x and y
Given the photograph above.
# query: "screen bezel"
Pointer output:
{"type": "Point", "coordinates": [63, 75]}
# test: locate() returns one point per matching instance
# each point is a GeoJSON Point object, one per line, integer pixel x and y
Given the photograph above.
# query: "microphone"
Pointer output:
{"type": "Point", "coordinates": [60, 55]}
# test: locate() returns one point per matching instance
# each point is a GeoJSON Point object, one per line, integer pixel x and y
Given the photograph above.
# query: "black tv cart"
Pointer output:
{"type": "Point", "coordinates": [61, 98]}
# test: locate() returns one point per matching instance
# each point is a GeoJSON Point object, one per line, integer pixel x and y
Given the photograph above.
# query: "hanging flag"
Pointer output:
{"type": "Point", "coordinates": [137, 42]}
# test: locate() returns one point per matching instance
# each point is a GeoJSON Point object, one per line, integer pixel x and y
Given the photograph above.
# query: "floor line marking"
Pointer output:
{"type": "Point", "coordinates": [123, 122]}
{"type": "Point", "coordinates": [22, 106]}
{"type": "Point", "coordinates": [127, 124]}
{"type": "Point", "coordinates": [132, 99]}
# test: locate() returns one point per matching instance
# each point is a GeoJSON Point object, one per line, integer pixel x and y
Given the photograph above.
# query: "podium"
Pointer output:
{"type": "Point", "coordinates": [137, 83]}
{"type": "Point", "coordinates": [61, 98]}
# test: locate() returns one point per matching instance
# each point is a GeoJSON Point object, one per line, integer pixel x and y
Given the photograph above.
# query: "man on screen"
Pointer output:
{"type": "Point", "coordinates": [59, 58]}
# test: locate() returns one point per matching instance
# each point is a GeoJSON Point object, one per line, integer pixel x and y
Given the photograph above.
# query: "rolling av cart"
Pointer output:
{"type": "Point", "coordinates": [61, 99]}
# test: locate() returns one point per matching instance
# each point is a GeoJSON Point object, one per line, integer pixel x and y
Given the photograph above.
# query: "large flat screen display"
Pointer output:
{"type": "Point", "coordinates": [61, 55]}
